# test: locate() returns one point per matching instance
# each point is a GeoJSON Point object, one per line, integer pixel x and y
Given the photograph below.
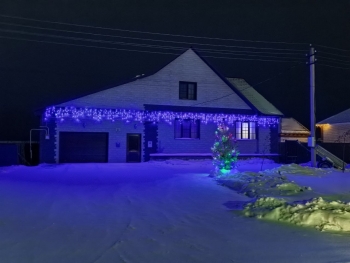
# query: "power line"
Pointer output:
{"type": "Point", "coordinates": [188, 36]}
{"type": "Point", "coordinates": [141, 45]}
{"type": "Point", "coordinates": [154, 40]}
{"type": "Point", "coordinates": [213, 99]}
{"type": "Point", "coordinates": [254, 59]}
{"type": "Point", "coordinates": [153, 33]}
{"type": "Point", "coordinates": [79, 45]}
{"type": "Point", "coordinates": [253, 86]}
{"type": "Point", "coordinates": [330, 66]}
{"type": "Point", "coordinates": [334, 48]}
{"type": "Point", "coordinates": [174, 35]}
{"type": "Point", "coordinates": [144, 51]}
{"type": "Point", "coordinates": [281, 73]}
{"type": "Point", "coordinates": [249, 55]}
{"type": "Point", "coordinates": [334, 60]}
{"type": "Point", "coordinates": [91, 40]}
{"type": "Point", "coordinates": [333, 54]}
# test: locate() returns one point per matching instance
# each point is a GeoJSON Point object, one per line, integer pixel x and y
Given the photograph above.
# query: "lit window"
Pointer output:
{"type": "Point", "coordinates": [246, 130]}
{"type": "Point", "coordinates": [186, 129]}
{"type": "Point", "coordinates": [187, 90]}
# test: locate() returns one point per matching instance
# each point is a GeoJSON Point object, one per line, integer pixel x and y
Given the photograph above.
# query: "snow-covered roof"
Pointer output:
{"type": "Point", "coordinates": [291, 125]}
{"type": "Point", "coordinates": [263, 105]}
{"type": "Point", "coordinates": [342, 117]}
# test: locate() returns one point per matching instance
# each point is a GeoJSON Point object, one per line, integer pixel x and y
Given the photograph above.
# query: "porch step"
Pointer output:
{"type": "Point", "coordinates": [337, 162]}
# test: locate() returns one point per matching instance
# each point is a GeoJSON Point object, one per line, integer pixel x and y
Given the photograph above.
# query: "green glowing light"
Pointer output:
{"type": "Point", "coordinates": [224, 171]}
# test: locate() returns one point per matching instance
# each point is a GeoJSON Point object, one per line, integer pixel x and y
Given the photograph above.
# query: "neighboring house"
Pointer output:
{"type": "Point", "coordinates": [174, 111]}
{"type": "Point", "coordinates": [293, 130]}
{"type": "Point", "coordinates": [335, 128]}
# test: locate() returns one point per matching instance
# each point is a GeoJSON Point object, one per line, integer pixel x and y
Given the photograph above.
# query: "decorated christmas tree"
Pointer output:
{"type": "Point", "coordinates": [225, 151]}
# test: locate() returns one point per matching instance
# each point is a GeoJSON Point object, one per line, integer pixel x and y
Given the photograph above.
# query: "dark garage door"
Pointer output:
{"type": "Point", "coordinates": [83, 147]}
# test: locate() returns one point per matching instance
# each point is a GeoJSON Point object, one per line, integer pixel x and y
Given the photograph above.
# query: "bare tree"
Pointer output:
{"type": "Point", "coordinates": [343, 139]}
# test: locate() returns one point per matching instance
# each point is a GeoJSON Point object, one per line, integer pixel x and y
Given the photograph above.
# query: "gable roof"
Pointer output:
{"type": "Point", "coordinates": [251, 105]}
{"type": "Point", "coordinates": [262, 104]}
{"type": "Point", "coordinates": [291, 125]}
{"type": "Point", "coordinates": [342, 117]}
{"type": "Point", "coordinates": [258, 104]}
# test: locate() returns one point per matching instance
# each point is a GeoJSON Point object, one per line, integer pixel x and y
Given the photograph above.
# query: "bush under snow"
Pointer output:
{"type": "Point", "coordinates": [323, 215]}
{"type": "Point", "coordinates": [266, 183]}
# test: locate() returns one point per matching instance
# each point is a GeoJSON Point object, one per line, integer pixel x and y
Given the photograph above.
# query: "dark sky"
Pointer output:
{"type": "Point", "coordinates": [34, 75]}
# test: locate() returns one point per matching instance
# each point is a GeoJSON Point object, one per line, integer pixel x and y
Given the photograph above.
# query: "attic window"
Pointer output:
{"type": "Point", "coordinates": [187, 90]}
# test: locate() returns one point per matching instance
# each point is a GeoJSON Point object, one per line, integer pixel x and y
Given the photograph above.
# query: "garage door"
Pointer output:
{"type": "Point", "coordinates": [83, 147]}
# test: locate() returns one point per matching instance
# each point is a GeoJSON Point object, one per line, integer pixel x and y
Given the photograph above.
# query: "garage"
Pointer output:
{"type": "Point", "coordinates": [83, 147]}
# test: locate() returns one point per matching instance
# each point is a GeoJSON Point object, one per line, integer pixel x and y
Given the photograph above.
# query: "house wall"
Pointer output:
{"type": "Point", "coordinates": [161, 135]}
{"type": "Point", "coordinates": [117, 134]}
{"type": "Point", "coordinates": [332, 133]}
{"type": "Point", "coordinates": [264, 140]}
{"type": "Point", "coordinates": [162, 88]}
{"type": "Point", "coordinates": [274, 138]}
{"type": "Point", "coordinates": [150, 140]}
{"type": "Point", "coordinates": [168, 144]}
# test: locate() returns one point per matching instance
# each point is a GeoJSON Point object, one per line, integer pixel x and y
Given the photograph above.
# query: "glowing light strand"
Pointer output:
{"type": "Point", "coordinates": [63, 113]}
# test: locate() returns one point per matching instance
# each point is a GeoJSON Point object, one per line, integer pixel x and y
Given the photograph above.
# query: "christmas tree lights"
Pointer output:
{"type": "Point", "coordinates": [63, 113]}
{"type": "Point", "coordinates": [225, 152]}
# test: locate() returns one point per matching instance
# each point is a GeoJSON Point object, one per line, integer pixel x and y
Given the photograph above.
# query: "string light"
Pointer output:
{"type": "Point", "coordinates": [63, 113]}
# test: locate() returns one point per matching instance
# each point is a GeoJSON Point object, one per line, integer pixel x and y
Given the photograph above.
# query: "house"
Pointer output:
{"type": "Point", "coordinates": [293, 130]}
{"type": "Point", "coordinates": [173, 112]}
{"type": "Point", "coordinates": [335, 129]}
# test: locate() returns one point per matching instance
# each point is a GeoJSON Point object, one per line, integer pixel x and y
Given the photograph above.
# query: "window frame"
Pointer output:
{"type": "Point", "coordinates": [187, 90]}
{"type": "Point", "coordinates": [250, 131]}
{"type": "Point", "coordinates": [190, 131]}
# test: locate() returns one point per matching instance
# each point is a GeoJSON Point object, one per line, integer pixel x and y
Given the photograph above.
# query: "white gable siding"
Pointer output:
{"type": "Point", "coordinates": [332, 133]}
{"type": "Point", "coordinates": [162, 88]}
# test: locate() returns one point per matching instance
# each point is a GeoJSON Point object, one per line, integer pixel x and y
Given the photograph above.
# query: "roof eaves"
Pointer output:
{"type": "Point", "coordinates": [329, 119]}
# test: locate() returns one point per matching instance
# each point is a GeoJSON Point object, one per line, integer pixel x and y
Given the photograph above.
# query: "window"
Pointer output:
{"type": "Point", "coordinates": [187, 90]}
{"type": "Point", "coordinates": [186, 129]}
{"type": "Point", "coordinates": [246, 130]}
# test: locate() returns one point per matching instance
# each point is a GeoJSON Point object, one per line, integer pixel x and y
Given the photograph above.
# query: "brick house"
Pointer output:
{"type": "Point", "coordinates": [173, 112]}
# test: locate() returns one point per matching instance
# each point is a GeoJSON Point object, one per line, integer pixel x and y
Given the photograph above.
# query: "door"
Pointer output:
{"type": "Point", "coordinates": [83, 147]}
{"type": "Point", "coordinates": [291, 151]}
{"type": "Point", "coordinates": [133, 147]}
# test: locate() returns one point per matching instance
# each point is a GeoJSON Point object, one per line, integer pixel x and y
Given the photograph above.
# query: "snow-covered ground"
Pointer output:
{"type": "Point", "coordinates": [169, 211]}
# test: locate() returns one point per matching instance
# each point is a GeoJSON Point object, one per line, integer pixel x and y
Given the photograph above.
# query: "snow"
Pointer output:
{"type": "Point", "coordinates": [171, 211]}
{"type": "Point", "coordinates": [318, 213]}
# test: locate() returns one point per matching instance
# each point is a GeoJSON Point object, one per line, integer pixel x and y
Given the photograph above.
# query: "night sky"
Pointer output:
{"type": "Point", "coordinates": [35, 75]}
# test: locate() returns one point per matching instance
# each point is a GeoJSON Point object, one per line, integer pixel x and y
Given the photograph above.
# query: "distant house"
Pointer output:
{"type": "Point", "coordinates": [291, 129]}
{"type": "Point", "coordinates": [335, 128]}
{"type": "Point", "coordinates": [174, 112]}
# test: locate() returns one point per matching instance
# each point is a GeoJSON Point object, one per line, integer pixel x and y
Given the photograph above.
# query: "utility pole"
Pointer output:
{"type": "Point", "coordinates": [311, 139]}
